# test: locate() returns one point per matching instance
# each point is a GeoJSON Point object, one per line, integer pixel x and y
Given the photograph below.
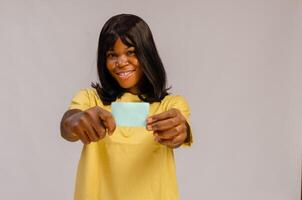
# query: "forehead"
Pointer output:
{"type": "Point", "coordinates": [119, 45]}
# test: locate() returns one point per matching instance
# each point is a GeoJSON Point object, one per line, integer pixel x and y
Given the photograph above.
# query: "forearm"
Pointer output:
{"type": "Point", "coordinates": [65, 131]}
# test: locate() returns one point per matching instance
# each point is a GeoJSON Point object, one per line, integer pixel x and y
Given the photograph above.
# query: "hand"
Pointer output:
{"type": "Point", "coordinates": [170, 128]}
{"type": "Point", "coordinates": [90, 125]}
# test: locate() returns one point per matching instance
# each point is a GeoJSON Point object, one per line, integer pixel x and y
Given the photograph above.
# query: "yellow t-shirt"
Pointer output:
{"type": "Point", "coordinates": [129, 165]}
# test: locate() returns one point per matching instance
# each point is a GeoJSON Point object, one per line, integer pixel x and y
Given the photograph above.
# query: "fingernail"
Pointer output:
{"type": "Point", "coordinates": [149, 120]}
{"type": "Point", "coordinates": [149, 127]}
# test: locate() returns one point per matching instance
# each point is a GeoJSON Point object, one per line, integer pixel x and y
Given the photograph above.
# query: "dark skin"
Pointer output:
{"type": "Point", "coordinates": [88, 126]}
{"type": "Point", "coordinates": [169, 128]}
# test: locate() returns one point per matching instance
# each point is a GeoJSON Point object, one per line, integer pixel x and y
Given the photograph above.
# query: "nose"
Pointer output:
{"type": "Point", "coordinates": [122, 60]}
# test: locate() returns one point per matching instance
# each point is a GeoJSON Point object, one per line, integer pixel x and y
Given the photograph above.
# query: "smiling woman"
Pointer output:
{"type": "Point", "coordinates": [118, 162]}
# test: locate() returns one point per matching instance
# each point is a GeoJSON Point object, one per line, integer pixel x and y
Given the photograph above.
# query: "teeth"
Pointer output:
{"type": "Point", "coordinates": [124, 74]}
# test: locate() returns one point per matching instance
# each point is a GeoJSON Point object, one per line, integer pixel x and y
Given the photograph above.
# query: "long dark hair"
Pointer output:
{"type": "Point", "coordinates": [135, 32]}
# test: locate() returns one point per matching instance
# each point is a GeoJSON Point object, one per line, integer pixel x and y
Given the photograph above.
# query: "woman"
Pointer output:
{"type": "Point", "coordinates": [127, 162]}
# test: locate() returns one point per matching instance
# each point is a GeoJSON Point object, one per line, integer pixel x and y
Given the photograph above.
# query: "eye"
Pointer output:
{"type": "Point", "coordinates": [111, 55]}
{"type": "Point", "coordinates": [131, 52]}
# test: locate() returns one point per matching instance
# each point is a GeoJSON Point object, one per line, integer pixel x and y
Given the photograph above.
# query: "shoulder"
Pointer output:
{"type": "Point", "coordinates": [89, 92]}
{"type": "Point", "coordinates": [86, 94]}
{"type": "Point", "coordinates": [85, 98]}
{"type": "Point", "coordinates": [175, 101]}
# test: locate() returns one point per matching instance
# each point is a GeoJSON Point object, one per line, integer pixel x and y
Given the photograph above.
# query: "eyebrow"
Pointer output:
{"type": "Point", "coordinates": [111, 50]}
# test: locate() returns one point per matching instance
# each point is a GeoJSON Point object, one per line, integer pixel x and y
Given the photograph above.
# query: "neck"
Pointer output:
{"type": "Point", "coordinates": [133, 91]}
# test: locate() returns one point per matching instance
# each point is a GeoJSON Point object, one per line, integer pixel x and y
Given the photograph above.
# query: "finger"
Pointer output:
{"type": "Point", "coordinates": [179, 140]}
{"type": "Point", "coordinates": [174, 142]}
{"type": "Point", "coordinates": [82, 135]}
{"type": "Point", "coordinates": [91, 133]}
{"type": "Point", "coordinates": [96, 122]}
{"type": "Point", "coordinates": [99, 128]}
{"type": "Point", "coordinates": [108, 120]}
{"type": "Point", "coordinates": [164, 115]}
{"type": "Point", "coordinates": [164, 124]}
{"type": "Point", "coordinates": [170, 133]}
{"type": "Point", "coordinates": [167, 142]}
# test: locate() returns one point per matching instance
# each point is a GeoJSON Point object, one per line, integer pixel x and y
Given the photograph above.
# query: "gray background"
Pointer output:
{"type": "Point", "coordinates": [238, 63]}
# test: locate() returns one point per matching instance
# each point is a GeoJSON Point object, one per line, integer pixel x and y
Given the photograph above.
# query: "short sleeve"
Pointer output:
{"type": "Point", "coordinates": [80, 100]}
{"type": "Point", "coordinates": [180, 103]}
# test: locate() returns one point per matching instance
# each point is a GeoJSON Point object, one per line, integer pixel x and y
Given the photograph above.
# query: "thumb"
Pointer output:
{"type": "Point", "coordinates": [107, 119]}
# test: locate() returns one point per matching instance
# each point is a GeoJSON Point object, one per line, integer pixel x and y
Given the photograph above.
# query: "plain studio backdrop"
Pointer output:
{"type": "Point", "coordinates": [238, 63]}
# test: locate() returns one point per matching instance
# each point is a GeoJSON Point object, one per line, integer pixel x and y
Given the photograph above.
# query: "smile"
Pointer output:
{"type": "Point", "coordinates": [125, 75]}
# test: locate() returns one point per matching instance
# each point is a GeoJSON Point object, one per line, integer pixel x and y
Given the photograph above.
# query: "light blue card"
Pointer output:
{"type": "Point", "coordinates": [130, 113]}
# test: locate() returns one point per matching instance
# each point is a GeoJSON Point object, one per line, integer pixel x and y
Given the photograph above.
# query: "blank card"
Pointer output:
{"type": "Point", "coordinates": [130, 113]}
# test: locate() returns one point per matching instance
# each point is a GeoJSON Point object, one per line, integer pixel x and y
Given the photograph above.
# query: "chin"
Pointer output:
{"type": "Point", "coordinates": [127, 85]}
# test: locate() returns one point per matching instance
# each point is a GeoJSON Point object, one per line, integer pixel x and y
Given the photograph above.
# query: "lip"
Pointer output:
{"type": "Point", "coordinates": [124, 74]}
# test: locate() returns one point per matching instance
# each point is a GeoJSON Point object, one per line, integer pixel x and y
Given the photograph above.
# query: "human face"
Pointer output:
{"type": "Point", "coordinates": [123, 65]}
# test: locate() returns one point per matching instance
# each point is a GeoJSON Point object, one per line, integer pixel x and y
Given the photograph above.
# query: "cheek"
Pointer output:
{"type": "Point", "coordinates": [134, 61]}
{"type": "Point", "coordinates": [110, 67]}
{"type": "Point", "coordinates": [139, 73]}
{"type": "Point", "coordinates": [138, 67]}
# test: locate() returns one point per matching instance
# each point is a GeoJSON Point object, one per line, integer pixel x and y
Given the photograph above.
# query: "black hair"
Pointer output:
{"type": "Point", "coordinates": [133, 31]}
